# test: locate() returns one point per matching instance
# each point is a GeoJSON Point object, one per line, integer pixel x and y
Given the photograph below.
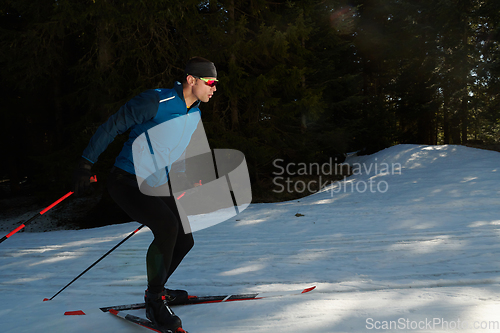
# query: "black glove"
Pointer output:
{"type": "Point", "coordinates": [81, 177]}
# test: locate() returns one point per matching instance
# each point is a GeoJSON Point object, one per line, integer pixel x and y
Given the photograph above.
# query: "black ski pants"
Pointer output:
{"type": "Point", "coordinates": [160, 214]}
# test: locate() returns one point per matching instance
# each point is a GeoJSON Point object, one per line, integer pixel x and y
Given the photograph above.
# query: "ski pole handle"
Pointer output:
{"type": "Point", "coordinates": [92, 180]}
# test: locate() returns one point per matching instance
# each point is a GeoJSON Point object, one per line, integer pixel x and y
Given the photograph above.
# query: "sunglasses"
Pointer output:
{"type": "Point", "coordinates": [210, 83]}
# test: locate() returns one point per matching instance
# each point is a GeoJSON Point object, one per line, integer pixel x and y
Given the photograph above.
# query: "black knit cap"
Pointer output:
{"type": "Point", "coordinates": [200, 67]}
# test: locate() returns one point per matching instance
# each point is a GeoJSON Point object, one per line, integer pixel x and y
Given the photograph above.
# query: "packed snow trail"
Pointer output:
{"type": "Point", "coordinates": [418, 252]}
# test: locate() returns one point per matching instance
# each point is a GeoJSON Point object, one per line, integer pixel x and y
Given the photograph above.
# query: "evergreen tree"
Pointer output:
{"type": "Point", "coordinates": [300, 80]}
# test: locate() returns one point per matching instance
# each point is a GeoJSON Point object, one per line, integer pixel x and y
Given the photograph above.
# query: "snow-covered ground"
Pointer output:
{"type": "Point", "coordinates": [411, 241]}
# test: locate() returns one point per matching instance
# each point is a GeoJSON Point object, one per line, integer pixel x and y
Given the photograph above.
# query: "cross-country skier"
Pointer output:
{"type": "Point", "coordinates": [159, 213]}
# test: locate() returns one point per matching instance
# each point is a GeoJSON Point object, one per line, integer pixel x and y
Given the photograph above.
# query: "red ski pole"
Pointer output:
{"type": "Point", "coordinates": [92, 180]}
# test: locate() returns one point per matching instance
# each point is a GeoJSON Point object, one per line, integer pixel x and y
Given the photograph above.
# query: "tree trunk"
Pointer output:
{"type": "Point", "coordinates": [446, 116]}
{"type": "Point", "coordinates": [234, 114]}
{"type": "Point", "coordinates": [464, 112]}
{"type": "Point", "coordinates": [303, 120]}
{"type": "Point", "coordinates": [104, 43]}
{"type": "Point", "coordinates": [464, 118]}
{"type": "Point", "coordinates": [233, 102]}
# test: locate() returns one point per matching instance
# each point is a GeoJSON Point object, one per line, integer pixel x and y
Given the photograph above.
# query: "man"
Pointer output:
{"type": "Point", "coordinates": [159, 213]}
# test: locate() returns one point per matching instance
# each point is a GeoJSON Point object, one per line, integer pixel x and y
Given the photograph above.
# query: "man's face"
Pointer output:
{"type": "Point", "coordinates": [202, 90]}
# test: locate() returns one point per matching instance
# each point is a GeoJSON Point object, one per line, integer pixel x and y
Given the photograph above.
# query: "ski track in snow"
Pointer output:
{"type": "Point", "coordinates": [426, 249]}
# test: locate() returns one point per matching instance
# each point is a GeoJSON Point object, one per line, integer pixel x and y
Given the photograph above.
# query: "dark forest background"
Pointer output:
{"type": "Point", "coordinates": [302, 81]}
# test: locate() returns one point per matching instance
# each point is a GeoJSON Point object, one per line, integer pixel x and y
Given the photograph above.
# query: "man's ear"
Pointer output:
{"type": "Point", "coordinates": [191, 80]}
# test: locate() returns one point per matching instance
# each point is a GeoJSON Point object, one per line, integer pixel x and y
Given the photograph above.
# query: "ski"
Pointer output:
{"type": "Point", "coordinates": [142, 322]}
{"type": "Point", "coordinates": [202, 300]}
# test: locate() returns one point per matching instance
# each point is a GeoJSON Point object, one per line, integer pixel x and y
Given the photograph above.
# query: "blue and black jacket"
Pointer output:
{"type": "Point", "coordinates": [142, 113]}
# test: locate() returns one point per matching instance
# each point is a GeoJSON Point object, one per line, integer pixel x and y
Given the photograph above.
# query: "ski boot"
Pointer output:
{"type": "Point", "coordinates": [176, 297]}
{"type": "Point", "coordinates": [160, 314]}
